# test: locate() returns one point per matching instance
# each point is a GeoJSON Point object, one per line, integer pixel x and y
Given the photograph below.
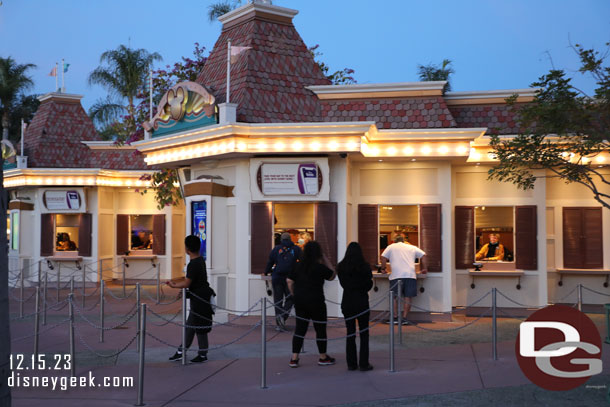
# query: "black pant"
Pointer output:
{"type": "Point", "coordinates": [202, 333]}
{"type": "Point", "coordinates": [316, 311]}
{"type": "Point", "coordinates": [350, 345]}
{"type": "Point", "coordinates": [282, 298]}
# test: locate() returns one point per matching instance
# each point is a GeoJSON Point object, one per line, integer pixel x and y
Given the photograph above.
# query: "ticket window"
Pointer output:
{"type": "Point", "coordinates": [494, 222]}
{"type": "Point", "coordinates": [397, 220]}
{"type": "Point", "coordinates": [141, 234]}
{"type": "Point", "coordinates": [296, 219]}
{"type": "Point", "coordinates": [67, 233]}
{"type": "Point", "coordinates": [420, 225]}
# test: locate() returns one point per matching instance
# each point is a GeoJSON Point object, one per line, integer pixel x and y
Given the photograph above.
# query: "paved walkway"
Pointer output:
{"type": "Point", "coordinates": [432, 368]}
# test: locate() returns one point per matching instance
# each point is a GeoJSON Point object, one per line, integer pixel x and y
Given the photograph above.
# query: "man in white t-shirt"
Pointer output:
{"type": "Point", "coordinates": [402, 258]}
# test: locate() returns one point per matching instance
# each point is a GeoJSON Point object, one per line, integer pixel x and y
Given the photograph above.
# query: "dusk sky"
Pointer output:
{"type": "Point", "coordinates": [493, 44]}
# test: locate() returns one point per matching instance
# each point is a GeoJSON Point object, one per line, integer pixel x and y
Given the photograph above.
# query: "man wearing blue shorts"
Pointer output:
{"type": "Point", "coordinates": [402, 259]}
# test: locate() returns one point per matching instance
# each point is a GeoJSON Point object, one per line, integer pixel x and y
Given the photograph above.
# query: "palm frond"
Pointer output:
{"type": "Point", "coordinates": [104, 112]}
{"type": "Point", "coordinates": [218, 9]}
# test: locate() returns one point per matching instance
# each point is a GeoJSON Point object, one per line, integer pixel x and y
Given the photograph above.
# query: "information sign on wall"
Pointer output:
{"type": "Point", "coordinates": [199, 213]}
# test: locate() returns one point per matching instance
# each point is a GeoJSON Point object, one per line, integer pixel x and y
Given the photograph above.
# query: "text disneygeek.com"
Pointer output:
{"type": "Point", "coordinates": [21, 364]}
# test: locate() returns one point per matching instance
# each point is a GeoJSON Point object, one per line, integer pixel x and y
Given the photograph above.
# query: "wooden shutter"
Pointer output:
{"type": "Point", "coordinates": [592, 249]}
{"type": "Point", "coordinates": [158, 246]}
{"type": "Point", "coordinates": [430, 237]}
{"type": "Point", "coordinates": [464, 237]}
{"type": "Point", "coordinates": [84, 235]}
{"type": "Point", "coordinates": [122, 234]}
{"type": "Point", "coordinates": [582, 238]}
{"type": "Point", "coordinates": [526, 238]}
{"type": "Point", "coordinates": [261, 235]}
{"type": "Point", "coordinates": [368, 232]}
{"type": "Point", "coordinates": [326, 229]}
{"type": "Point", "coordinates": [47, 234]}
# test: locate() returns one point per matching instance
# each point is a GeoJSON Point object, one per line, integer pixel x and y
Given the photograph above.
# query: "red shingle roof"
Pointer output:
{"type": "Point", "coordinates": [54, 139]}
{"type": "Point", "coordinates": [268, 81]}
{"type": "Point", "coordinates": [498, 118]}
{"type": "Point", "coordinates": [404, 113]}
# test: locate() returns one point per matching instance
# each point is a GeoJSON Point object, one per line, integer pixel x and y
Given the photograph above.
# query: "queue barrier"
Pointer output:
{"type": "Point", "coordinates": [141, 310]}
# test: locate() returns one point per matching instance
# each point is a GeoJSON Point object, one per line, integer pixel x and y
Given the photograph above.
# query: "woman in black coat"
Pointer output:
{"type": "Point", "coordinates": [356, 279]}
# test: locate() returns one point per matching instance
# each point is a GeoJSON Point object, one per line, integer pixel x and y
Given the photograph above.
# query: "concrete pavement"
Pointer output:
{"type": "Point", "coordinates": [432, 368]}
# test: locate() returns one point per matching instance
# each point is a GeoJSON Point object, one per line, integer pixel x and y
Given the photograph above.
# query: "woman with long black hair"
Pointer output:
{"type": "Point", "coordinates": [356, 279]}
{"type": "Point", "coordinates": [306, 284]}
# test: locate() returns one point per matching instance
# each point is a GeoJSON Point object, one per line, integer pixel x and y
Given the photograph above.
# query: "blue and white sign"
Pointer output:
{"type": "Point", "coordinates": [199, 215]}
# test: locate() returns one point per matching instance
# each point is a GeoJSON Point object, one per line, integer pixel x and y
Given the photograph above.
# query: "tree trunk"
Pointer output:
{"type": "Point", "coordinates": [5, 125]}
{"type": "Point", "coordinates": [5, 337]}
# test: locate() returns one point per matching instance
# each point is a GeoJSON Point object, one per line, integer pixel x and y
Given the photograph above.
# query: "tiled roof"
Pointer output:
{"type": "Point", "coordinates": [117, 159]}
{"type": "Point", "coordinates": [498, 118]}
{"type": "Point", "coordinates": [404, 113]}
{"type": "Point", "coordinates": [268, 81]}
{"type": "Point", "coordinates": [54, 139]}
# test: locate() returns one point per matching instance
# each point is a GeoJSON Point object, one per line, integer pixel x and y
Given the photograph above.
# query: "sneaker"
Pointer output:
{"type": "Point", "coordinates": [279, 324]}
{"type": "Point", "coordinates": [326, 361]}
{"type": "Point", "coordinates": [410, 323]}
{"type": "Point", "coordinates": [176, 356]}
{"type": "Point", "coordinates": [352, 368]}
{"type": "Point", "coordinates": [366, 368]}
{"type": "Point", "coordinates": [294, 363]}
{"type": "Point", "coordinates": [199, 359]}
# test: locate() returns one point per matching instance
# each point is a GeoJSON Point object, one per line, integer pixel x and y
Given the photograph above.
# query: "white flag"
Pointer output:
{"type": "Point", "coordinates": [235, 51]}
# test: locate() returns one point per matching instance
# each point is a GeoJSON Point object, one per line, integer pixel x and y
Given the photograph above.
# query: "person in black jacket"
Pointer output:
{"type": "Point", "coordinates": [199, 320]}
{"type": "Point", "coordinates": [282, 260]}
{"type": "Point", "coordinates": [356, 279]}
{"type": "Point", "coordinates": [306, 284]}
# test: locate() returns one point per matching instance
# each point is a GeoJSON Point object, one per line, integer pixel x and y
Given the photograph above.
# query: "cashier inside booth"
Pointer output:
{"type": "Point", "coordinates": [494, 238]}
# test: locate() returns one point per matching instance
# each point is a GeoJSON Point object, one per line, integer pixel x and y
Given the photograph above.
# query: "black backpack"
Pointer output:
{"type": "Point", "coordinates": [286, 258]}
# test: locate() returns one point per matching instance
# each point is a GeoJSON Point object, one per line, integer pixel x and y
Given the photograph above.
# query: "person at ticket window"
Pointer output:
{"type": "Point", "coordinates": [493, 251]}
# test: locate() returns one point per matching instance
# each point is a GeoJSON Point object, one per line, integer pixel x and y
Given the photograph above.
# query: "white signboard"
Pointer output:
{"type": "Point", "coordinates": [289, 179]}
{"type": "Point", "coordinates": [62, 200]}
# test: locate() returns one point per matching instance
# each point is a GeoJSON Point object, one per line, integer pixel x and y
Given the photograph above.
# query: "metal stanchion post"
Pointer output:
{"type": "Point", "coordinates": [84, 279]}
{"type": "Point", "coordinates": [158, 282]}
{"type": "Point", "coordinates": [138, 316]}
{"type": "Point", "coordinates": [124, 293]}
{"type": "Point", "coordinates": [36, 322]}
{"type": "Point", "coordinates": [264, 343]}
{"type": "Point", "coordinates": [580, 297]}
{"type": "Point", "coordinates": [71, 314]}
{"type": "Point", "coordinates": [58, 278]}
{"type": "Point", "coordinates": [399, 308]}
{"type": "Point", "coordinates": [100, 275]}
{"type": "Point", "coordinates": [102, 311]}
{"type": "Point", "coordinates": [22, 279]}
{"type": "Point", "coordinates": [72, 286]}
{"type": "Point", "coordinates": [44, 298]}
{"type": "Point", "coordinates": [39, 274]}
{"type": "Point", "coordinates": [494, 326]}
{"type": "Point", "coordinates": [184, 326]}
{"type": "Point", "coordinates": [142, 342]}
{"type": "Point", "coordinates": [392, 369]}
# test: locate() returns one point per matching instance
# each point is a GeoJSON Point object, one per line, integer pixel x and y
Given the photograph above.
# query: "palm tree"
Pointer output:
{"type": "Point", "coordinates": [13, 81]}
{"type": "Point", "coordinates": [215, 10]}
{"type": "Point", "coordinates": [124, 77]}
{"type": "Point", "coordinates": [433, 72]}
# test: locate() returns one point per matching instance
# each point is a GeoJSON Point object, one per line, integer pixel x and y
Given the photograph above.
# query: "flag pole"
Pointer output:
{"type": "Point", "coordinates": [150, 102]}
{"type": "Point", "coordinates": [56, 80]}
{"type": "Point", "coordinates": [22, 134]}
{"type": "Point", "coordinates": [228, 71]}
{"type": "Point", "coordinates": [150, 98]}
{"type": "Point", "coordinates": [63, 83]}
